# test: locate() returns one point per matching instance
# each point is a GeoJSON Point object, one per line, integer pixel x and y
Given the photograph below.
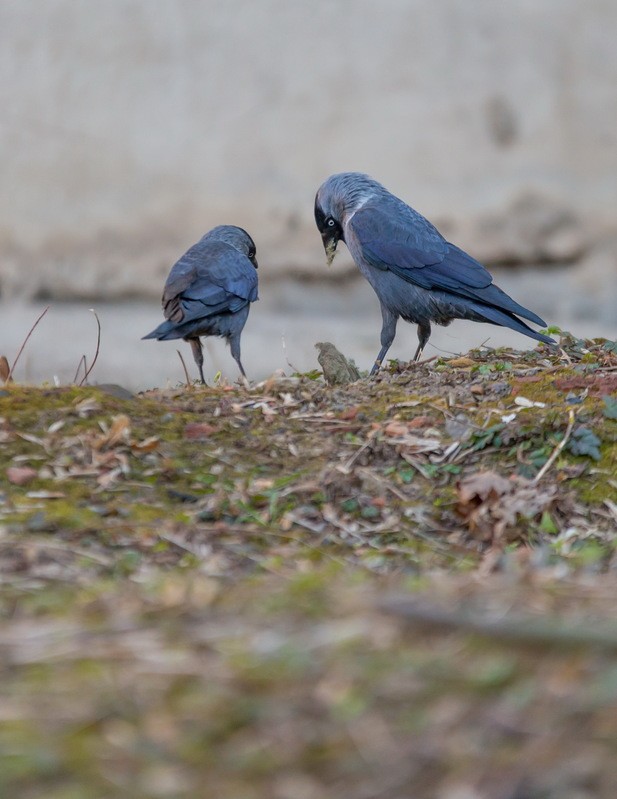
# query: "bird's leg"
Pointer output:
{"type": "Point", "coordinates": [198, 355]}
{"type": "Point", "coordinates": [388, 331]}
{"type": "Point", "coordinates": [234, 345]}
{"type": "Point", "coordinates": [424, 333]}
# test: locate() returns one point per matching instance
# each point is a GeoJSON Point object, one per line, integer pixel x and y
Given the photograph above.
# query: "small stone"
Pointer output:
{"type": "Point", "coordinates": [337, 370]}
{"type": "Point", "coordinates": [114, 390]}
{"type": "Point", "coordinates": [40, 523]}
{"type": "Point", "coordinates": [459, 427]}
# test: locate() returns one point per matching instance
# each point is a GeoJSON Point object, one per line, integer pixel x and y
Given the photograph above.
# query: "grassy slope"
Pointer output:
{"type": "Point", "coordinates": [302, 591]}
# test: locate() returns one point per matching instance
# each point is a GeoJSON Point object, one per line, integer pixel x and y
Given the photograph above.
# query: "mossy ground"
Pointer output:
{"type": "Point", "coordinates": [205, 591]}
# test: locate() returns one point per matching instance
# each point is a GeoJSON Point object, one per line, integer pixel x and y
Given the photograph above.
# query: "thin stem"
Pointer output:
{"type": "Point", "coordinates": [98, 347]}
{"type": "Point", "coordinates": [25, 341]}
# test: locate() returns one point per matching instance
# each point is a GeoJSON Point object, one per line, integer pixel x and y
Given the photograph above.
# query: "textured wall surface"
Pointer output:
{"type": "Point", "coordinates": [129, 127]}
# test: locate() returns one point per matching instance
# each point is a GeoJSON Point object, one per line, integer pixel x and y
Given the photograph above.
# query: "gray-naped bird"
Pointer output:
{"type": "Point", "coordinates": [414, 271]}
{"type": "Point", "coordinates": [209, 292]}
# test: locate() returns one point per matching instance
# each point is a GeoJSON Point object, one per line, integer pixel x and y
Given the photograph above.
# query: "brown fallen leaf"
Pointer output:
{"type": "Point", "coordinates": [147, 445]}
{"type": "Point", "coordinates": [5, 369]}
{"type": "Point", "coordinates": [493, 507]}
{"type": "Point", "coordinates": [20, 475]}
{"type": "Point", "coordinates": [199, 431]}
{"type": "Point", "coordinates": [87, 406]}
{"type": "Point", "coordinates": [481, 485]}
{"type": "Point", "coordinates": [395, 429]}
{"type": "Point", "coordinates": [598, 385]}
{"type": "Point", "coordinates": [419, 421]}
{"type": "Point", "coordinates": [118, 432]}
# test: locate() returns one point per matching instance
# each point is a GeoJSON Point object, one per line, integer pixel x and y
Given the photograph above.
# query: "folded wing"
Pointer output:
{"type": "Point", "coordinates": [395, 237]}
{"type": "Point", "coordinates": [211, 278]}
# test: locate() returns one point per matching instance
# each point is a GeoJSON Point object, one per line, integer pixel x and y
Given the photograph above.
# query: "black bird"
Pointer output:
{"type": "Point", "coordinates": [209, 292]}
{"type": "Point", "coordinates": [414, 271]}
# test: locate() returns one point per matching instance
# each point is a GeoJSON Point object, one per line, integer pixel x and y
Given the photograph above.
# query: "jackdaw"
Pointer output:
{"type": "Point", "coordinates": [209, 291]}
{"type": "Point", "coordinates": [414, 271]}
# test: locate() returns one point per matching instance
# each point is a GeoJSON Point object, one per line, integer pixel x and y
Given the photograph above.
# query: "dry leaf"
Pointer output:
{"type": "Point", "coordinates": [419, 421]}
{"type": "Point", "coordinates": [481, 485]}
{"type": "Point", "coordinates": [87, 406]}
{"type": "Point", "coordinates": [5, 369]}
{"type": "Point", "coordinates": [462, 361]}
{"type": "Point", "coordinates": [349, 413]}
{"type": "Point", "coordinates": [147, 445]}
{"type": "Point", "coordinates": [20, 475]}
{"type": "Point", "coordinates": [493, 506]}
{"type": "Point", "coordinates": [119, 431]}
{"type": "Point", "coordinates": [396, 429]}
{"type": "Point", "coordinates": [198, 431]}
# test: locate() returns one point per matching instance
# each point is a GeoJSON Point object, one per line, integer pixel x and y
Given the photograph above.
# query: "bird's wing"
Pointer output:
{"type": "Point", "coordinates": [395, 237]}
{"type": "Point", "coordinates": [211, 278]}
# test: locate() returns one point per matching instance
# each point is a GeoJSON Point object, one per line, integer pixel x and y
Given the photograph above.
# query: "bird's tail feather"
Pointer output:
{"type": "Point", "coordinates": [166, 330]}
{"type": "Point", "coordinates": [495, 296]}
{"type": "Point", "coordinates": [458, 264]}
{"type": "Point", "coordinates": [498, 317]}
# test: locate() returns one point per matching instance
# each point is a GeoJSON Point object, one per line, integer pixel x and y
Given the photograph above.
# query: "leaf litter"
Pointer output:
{"type": "Point", "coordinates": [398, 587]}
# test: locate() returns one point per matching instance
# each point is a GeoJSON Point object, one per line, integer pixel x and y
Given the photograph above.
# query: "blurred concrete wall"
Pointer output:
{"type": "Point", "coordinates": [129, 127]}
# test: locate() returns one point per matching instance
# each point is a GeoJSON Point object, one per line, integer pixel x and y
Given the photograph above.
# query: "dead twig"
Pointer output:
{"type": "Point", "coordinates": [186, 371]}
{"type": "Point", "coordinates": [345, 468]}
{"type": "Point", "coordinates": [558, 448]}
{"type": "Point", "coordinates": [82, 360]}
{"type": "Point", "coordinates": [25, 341]}
{"type": "Point", "coordinates": [426, 360]}
{"type": "Point", "coordinates": [543, 633]}
{"type": "Point", "coordinates": [289, 363]}
{"type": "Point", "coordinates": [98, 347]}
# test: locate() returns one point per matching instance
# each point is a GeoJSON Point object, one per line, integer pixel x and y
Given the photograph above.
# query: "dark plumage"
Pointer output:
{"type": "Point", "coordinates": [209, 291]}
{"type": "Point", "coordinates": [414, 271]}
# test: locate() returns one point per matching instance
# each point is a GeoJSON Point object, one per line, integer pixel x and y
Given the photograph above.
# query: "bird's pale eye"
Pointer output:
{"type": "Point", "coordinates": [331, 222]}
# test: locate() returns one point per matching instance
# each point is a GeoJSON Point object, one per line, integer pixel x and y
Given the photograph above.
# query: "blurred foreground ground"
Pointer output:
{"type": "Point", "coordinates": [280, 333]}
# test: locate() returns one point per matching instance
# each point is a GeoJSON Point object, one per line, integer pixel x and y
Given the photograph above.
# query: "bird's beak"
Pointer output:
{"type": "Point", "coordinates": [330, 240]}
{"type": "Point", "coordinates": [254, 262]}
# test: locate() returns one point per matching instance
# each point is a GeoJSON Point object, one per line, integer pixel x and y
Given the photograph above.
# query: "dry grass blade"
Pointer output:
{"type": "Point", "coordinates": [98, 347]}
{"type": "Point", "coordinates": [558, 448]}
{"type": "Point", "coordinates": [25, 341]}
